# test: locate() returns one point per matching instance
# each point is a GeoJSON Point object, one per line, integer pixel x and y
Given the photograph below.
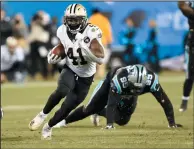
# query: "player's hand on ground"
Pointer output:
{"type": "Point", "coordinates": [175, 126]}
{"type": "Point", "coordinates": [52, 58]}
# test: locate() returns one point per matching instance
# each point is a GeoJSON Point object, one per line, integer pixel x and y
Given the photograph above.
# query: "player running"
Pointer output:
{"type": "Point", "coordinates": [116, 97]}
{"type": "Point", "coordinates": [83, 47]}
{"type": "Point", "coordinates": [188, 10]}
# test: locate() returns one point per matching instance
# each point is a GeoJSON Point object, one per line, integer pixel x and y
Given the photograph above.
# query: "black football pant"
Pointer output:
{"type": "Point", "coordinates": [122, 115]}
{"type": "Point", "coordinates": [97, 105]}
{"type": "Point", "coordinates": [189, 57]}
{"type": "Point", "coordinates": [74, 88]}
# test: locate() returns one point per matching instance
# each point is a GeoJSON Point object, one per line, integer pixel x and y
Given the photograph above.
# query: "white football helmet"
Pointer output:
{"type": "Point", "coordinates": [75, 18]}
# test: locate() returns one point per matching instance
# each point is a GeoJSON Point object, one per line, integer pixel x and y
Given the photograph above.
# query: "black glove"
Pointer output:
{"type": "Point", "coordinates": [175, 125]}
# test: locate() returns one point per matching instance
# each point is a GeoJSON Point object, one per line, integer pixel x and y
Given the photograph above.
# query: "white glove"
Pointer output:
{"type": "Point", "coordinates": [52, 58]}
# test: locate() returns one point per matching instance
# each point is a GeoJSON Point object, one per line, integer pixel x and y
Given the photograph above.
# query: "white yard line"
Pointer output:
{"type": "Point", "coordinates": [22, 107]}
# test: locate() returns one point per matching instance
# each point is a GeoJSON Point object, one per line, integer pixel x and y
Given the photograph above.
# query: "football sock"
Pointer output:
{"type": "Point", "coordinates": [185, 98]}
{"type": "Point", "coordinates": [43, 114]}
{"type": "Point", "coordinates": [187, 88]}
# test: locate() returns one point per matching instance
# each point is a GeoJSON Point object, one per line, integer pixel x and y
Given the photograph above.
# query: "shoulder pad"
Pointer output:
{"type": "Point", "coordinates": [94, 31]}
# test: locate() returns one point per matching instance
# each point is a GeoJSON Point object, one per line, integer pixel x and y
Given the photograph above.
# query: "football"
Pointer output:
{"type": "Point", "coordinates": [59, 50]}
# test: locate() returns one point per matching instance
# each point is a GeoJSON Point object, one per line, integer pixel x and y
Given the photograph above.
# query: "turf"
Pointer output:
{"type": "Point", "coordinates": [147, 128]}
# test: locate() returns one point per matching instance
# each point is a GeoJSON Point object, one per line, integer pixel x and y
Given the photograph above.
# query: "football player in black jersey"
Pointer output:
{"type": "Point", "coordinates": [116, 97]}
{"type": "Point", "coordinates": [187, 9]}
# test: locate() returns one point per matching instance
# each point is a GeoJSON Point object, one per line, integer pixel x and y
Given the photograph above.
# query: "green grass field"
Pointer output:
{"type": "Point", "coordinates": [147, 128]}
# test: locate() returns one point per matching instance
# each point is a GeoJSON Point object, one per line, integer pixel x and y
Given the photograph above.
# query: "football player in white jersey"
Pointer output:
{"type": "Point", "coordinates": [83, 49]}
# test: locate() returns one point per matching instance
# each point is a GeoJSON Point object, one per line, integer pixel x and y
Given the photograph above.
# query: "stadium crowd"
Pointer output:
{"type": "Point", "coordinates": [25, 47]}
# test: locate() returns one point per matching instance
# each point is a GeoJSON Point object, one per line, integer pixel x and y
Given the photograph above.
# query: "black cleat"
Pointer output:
{"type": "Point", "coordinates": [183, 106]}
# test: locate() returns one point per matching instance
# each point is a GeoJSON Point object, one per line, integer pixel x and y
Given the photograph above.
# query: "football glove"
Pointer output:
{"type": "Point", "coordinates": [52, 58]}
{"type": "Point", "coordinates": [175, 126]}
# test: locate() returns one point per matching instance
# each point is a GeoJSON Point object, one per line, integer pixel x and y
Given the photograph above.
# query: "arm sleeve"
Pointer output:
{"type": "Point", "coordinates": [111, 107]}
{"type": "Point", "coordinates": [166, 104]}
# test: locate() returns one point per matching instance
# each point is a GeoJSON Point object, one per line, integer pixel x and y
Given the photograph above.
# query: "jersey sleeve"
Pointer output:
{"type": "Point", "coordinates": [155, 85]}
{"type": "Point", "coordinates": [152, 84]}
{"type": "Point", "coordinates": [94, 32]}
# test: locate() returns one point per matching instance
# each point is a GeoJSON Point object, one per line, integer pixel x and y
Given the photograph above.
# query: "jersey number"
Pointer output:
{"type": "Point", "coordinates": [71, 56]}
{"type": "Point", "coordinates": [124, 82]}
{"type": "Point", "coordinates": [149, 81]}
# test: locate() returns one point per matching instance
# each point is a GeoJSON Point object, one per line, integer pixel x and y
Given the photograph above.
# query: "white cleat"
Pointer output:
{"type": "Point", "coordinates": [60, 124]}
{"type": "Point", "coordinates": [37, 121]}
{"type": "Point", "coordinates": [95, 120]}
{"type": "Point", "coordinates": [46, 132]}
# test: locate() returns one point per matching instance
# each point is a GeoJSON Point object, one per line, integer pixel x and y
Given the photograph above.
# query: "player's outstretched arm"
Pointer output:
{"type": "Point", "coordinates": [166, 104]}
{"type": "Point", "coordinates": [110, 110]}
{"type": "Point", "coordinates": [186, 10]}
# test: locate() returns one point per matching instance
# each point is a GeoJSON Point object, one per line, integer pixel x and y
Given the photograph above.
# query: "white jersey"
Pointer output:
{"type": "Point", "coordinates": [7, 59]}
{"type": "Point", "coordinates": [76, 59]}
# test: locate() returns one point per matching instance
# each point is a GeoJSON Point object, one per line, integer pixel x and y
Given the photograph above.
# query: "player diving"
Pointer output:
{"type": "Point", "coordinates": [115, 98]}
{"type": "Point", "coordinates": [83, 48]}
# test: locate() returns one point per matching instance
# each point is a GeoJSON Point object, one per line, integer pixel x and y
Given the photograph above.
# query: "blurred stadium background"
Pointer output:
{"type": "Point", "coordinates": [150, 33]}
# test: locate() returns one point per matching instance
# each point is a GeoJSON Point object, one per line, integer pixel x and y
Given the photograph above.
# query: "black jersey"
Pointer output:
{"type": "Point", "coordinates": [123, 100]}
{"type": "Point", "coordinates": [152, 83]}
